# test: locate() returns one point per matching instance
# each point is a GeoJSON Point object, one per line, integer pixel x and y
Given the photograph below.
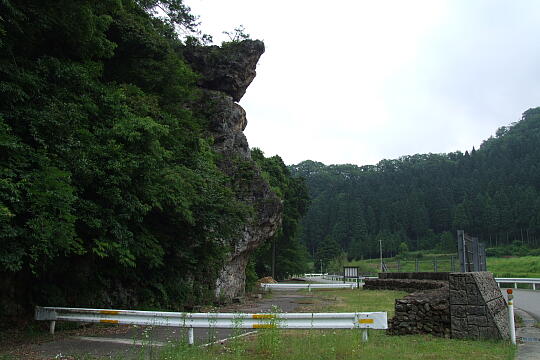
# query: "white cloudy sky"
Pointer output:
{"type": "Point", "coordinates": [359, 81]}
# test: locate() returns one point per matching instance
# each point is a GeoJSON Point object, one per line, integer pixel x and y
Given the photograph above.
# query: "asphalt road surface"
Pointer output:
{"type": "Point", "coordinates": [528, 300]}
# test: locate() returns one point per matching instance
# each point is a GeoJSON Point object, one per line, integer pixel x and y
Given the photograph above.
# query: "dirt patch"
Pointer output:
{"type": "Point", "coordinates": [18, 343]}
{"type": "Point", "coordinates": [304, 302]}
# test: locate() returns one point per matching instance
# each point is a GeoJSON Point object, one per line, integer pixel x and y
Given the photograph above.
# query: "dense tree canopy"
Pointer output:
{"type": "Point", "coordinates": [105, 167]}
{"type": "Point", "coordinates": [109, 189]}
{"type": "Point", "coordinates": [420, 200]}
{"type": "Point", "coordinates": [289, 253]}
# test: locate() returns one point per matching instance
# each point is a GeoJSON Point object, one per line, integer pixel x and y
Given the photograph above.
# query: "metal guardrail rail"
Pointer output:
{"type": "Point", "coordinates": [360, 320]}
{"type": "Point", "coordinates": [535, 282]}
{"type": "Point", "coordinates": [347, 279]}
{"type": "Point", "coordinates": [279, 286]}
{"type": "Point", "coordinates": [313, 275]}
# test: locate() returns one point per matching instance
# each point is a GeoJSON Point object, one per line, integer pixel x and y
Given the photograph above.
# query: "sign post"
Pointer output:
{"type": "Point", "coordinates": [351, 272]}
{"type": "Point", "coordinates": [511, 316]}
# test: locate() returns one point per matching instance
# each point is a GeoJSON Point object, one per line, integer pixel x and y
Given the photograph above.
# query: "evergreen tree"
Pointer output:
{"type": "Point", "coordinates": [492, 192]}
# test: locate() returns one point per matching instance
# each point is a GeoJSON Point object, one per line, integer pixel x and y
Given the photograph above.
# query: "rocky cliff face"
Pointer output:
{"type": "Point", "coordinates": [226, 72]}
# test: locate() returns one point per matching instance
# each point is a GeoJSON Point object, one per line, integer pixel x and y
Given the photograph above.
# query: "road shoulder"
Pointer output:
{"type": "Point", "coordinates": [528, 337]}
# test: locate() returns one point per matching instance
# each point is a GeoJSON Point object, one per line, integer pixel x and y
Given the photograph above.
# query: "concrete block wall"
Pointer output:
{"type": "Point", "coordinates": [478, 309]}
{"type": "Point", "coordinates": [467, 305]}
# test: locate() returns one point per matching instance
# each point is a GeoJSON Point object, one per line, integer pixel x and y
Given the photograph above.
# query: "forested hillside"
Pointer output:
{"type": "Point", "coordinates": [421, 200]}
{"type": "Point", "coordinates": [125, 178]}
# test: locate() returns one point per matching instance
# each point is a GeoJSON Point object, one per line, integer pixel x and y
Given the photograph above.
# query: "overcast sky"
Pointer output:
{"type": "Point", "coordinates": [360, 81]}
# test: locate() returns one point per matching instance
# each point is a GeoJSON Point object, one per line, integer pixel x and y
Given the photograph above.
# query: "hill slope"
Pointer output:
{"type": "Point", "coordinates": [420, 200]}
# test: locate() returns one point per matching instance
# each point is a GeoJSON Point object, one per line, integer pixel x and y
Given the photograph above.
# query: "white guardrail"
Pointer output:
{"type": "Point", "coordinates": [347, 279]}
{"type": "Point", "coordinates": [313, 275]}
{"type": "Point", "coordinates": [360, 320]}
{"type": "Point", "coordinates": [535, 282]}
{"type": "Point", "coordinates": [279, 286]}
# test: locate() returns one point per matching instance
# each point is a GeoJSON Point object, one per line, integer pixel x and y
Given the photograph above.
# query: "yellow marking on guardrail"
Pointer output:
{"type": "Point", "coordinates": [109, 312]}
{"type": "Point", "coordinates": [263, 316]}
{"type": "Point", "coordinates": [264, 326]}
{"type": "Point", "coordinates": [108, 321]}
{"type": "Point", "coordinates": [365, 321]}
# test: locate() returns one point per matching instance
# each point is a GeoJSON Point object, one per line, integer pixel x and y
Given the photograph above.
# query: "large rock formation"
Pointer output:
{"type": "Point", "coordinates": [227, 123]}
{"type": "Point", "coordinates": [229, 69]}
{"type": "Point", "coordinates": [226, 72]}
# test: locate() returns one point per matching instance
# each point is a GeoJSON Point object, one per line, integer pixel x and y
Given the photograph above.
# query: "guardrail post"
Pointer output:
{"type": "Point", "coordinates": [511, 316]}
{"type": "Point", "coordinates": [309, 288]}
{"type": "Point", "coordinates": [534, 286]}
{"type": "Point", "coordinates": [364, 335]}
{"type": "Point", "coordinates": [191, 336]}
{"type": "Point", "coordinates": [52, 325]}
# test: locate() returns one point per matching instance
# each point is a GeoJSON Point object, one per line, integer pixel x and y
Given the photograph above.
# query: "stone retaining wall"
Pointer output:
{"type": "Point", "coordinates": [468, 305]}
{"type": "Point", "coordinates": [408, 285]}
{"type": "Point", "coordinates": [441, 276]}
{"type": "Point", "coordinates": [477, 306]}
{"type": "Point", "coordinates": [422, 312]}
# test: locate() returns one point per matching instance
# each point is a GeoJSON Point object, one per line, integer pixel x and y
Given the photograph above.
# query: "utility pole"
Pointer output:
{"type": "Point", "coordinates": [380, 250]}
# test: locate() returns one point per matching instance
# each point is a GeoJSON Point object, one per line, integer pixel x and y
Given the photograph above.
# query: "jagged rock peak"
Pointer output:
{"type": "Point", "coordinates": [229, 68]}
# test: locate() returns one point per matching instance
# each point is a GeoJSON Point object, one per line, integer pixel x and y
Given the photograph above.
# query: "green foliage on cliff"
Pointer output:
{"type": "Point", "coordinates": [290, 254]}
{"type": "Point", "coordinates": [109, 190]}
{"type": "Point", "coordinates": [420, 200]}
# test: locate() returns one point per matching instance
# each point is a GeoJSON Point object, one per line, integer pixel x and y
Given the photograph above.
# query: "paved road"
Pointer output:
{"type": "Point", "coordinates": [528, 348]}
{"type": "Point", "coordinates": [133, 342]}
{"type": "Point", "coordinates": [528, 300]}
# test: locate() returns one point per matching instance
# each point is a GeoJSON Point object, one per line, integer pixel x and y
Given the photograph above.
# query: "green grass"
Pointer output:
{"type": "Point", "coordinates": [525, 266]}
{"type": "Point", "coordinates": [372, 266]}
{"type": "Point", "coordinates": [355, 300]}
{"type": "Point", "coordinates": [344, 344]}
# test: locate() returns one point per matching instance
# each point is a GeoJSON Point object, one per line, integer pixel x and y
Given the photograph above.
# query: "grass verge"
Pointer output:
{"type": "Point", "coordinates": [517, 267]}
{"type": "Point", "coordinates": [333, 344]}
{"type": "Point", "coordinates": [521, 267]}
{"type": "Point", "coordinates": [344, 344]}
